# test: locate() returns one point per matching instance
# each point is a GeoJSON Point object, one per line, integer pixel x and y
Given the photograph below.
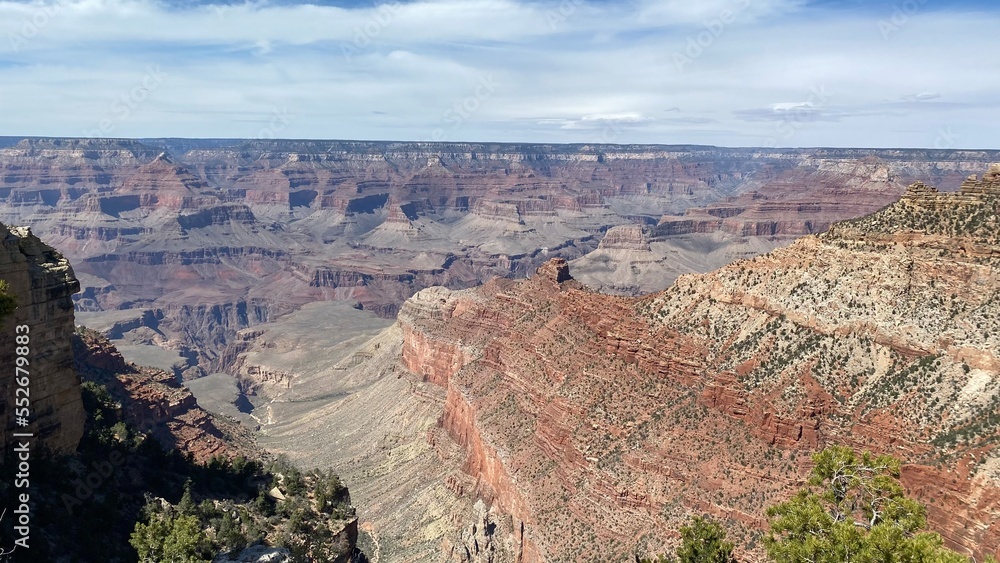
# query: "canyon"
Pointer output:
{"type": "Point", "coordinates": [100, 438]}
{"type": "Point", "coordinates": [61, 355]}
{"type": "Point", "coordinates": [182, 244]}
{"type": "Point", "coordinates": [369, 299]}
{"type": "Point", "coordinates": [594, 425]}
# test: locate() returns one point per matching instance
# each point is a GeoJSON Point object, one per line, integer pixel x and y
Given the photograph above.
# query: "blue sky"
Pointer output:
{"type": "Point", "coordinates": [905, 73]}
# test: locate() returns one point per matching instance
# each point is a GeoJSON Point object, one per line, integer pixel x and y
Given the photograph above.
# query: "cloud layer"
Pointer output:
{"type": "Point", "coordinates": [724, 72]}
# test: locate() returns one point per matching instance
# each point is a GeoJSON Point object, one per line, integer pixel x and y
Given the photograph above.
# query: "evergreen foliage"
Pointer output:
{"type": "Point", "coordinates": [854, 510]}
{"type": "Point", "coordinates": [8, 301]}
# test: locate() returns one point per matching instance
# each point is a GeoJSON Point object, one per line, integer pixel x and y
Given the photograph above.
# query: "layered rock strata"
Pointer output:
{"type": "Point", "coordinates": [182, 226]}
{"type": "Point", "coordinates": [599, 424]}
{"type": "Point", "coordinates": [42, 282]}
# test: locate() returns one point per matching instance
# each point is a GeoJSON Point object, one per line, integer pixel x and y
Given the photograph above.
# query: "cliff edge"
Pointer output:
{"type": "Point", "coordinates": [42, 282]}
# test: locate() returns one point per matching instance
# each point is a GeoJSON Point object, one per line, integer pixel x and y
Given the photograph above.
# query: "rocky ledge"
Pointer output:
{"type": "Point", "coordinates": [153, 401]}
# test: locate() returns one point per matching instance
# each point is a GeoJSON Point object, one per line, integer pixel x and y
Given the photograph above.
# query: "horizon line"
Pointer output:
{"type": "Point", "coordinates": [537, 143]}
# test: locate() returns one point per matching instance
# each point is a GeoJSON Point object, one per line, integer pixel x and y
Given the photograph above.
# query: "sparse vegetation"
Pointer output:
{"type": "Point", "coordinates": [702, 541]}
{"type": "Point", "coordinates": [124, 498]}
{"type": "Point", "coordinates": [854, 510]}
{"type": "Point", "coordinates": [8, 301]}
{"type": "Point", "coordinates": [309, 522]}
{"type": "Point", "coordinates": [979, 221]}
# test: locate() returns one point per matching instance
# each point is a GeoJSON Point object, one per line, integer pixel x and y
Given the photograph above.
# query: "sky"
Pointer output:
{"type": "Point", "coordinates": [771, 73]}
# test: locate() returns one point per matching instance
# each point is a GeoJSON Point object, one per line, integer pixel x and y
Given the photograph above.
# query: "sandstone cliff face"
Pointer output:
{"type": "Point", "coordinates": [624, 237]}
{"type": "Point", "coordinates": [43, 283]}
{"type": "Point", "coordinates": [600, 423]}
{"type": "Point", "coordinates": [429, 355]}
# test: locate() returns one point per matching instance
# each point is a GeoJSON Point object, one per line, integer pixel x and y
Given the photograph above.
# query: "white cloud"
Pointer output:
{"type": "Point", "coordinates": [708, 12]}
{"type": "Point", "coordinates": [920, 97]}
{"type": "Point", "coordinates": [562, 70]}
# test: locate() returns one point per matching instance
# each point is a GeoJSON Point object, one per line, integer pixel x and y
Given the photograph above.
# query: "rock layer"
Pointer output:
{"type": "Point", "coordinates": [168, 224]}
{"type": "Point", "coordinates": [43, 283]}
{"type": "Point", "coordinates": [601, 423]}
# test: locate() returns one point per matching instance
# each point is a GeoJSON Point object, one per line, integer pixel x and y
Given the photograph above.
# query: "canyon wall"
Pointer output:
{"type": "Point", "coordinates": [191, 231]}
{"type": "Point", "coordinates": [43, 283]}
{"type": "Point", "coordinates": [601, 423]}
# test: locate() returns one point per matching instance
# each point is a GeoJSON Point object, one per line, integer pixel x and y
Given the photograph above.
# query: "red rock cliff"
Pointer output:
{"type": "Point", "coordinates": [601, 423]}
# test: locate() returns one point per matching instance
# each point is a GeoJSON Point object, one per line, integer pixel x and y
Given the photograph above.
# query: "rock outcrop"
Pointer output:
{"type": "Point", "coordinates": [154, 402]}
{"type": "Point", "coordinates": [482, 541]}
{"type": "Point", "coordinates": [973, 191]}
{"type": "Point", "coordinates": [624, 237]}
{"type": "Point", "coordinates": [43, 283]}
{"type": "Point", "coordinates": [601, 423]}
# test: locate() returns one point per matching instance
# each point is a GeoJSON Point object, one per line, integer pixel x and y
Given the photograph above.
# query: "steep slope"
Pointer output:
{"type": "Point", "coordinates": [377, 428]}
{"type": "Point", "coordinates": [330, 393]}
{"type": "Point", "coordinates": [599, 423]}
{"type": "Point", "coordinates": [154, 402]}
